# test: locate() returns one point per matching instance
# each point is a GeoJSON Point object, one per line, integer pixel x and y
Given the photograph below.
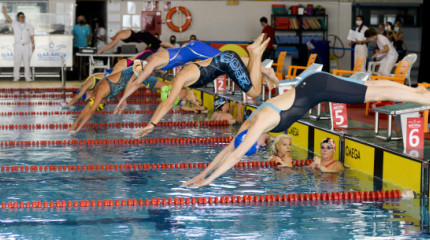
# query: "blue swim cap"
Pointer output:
{"type": "Point", "coordinates": [83, 97]}
{"type": "Point", "coordinates": [108, 71]}
{"type": "Point", "coordinates": [239, 139]}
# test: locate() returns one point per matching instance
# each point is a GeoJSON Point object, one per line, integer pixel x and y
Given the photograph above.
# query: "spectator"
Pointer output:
{"type": "Point", "coordinates": [173, 41]}
{"type": "Point", "coordinates": [193, 37]}
{"type": "Point", "coordinates": [359, 41]}
{"type": "Point", "coordinates": [100, 34]}
{"type": "Point", "coordinates": [81, 36]}
{"type": "Point", "coordinates": [24, 44]}
{"type": "Point", "coordinates": [386, 52]}
{"type": "Point", "coordinates": [269, 53]}
{"type": "Point", "coordinates": [399, 41]}
{"type": "Point", "coordinates": [223, 111]}
{"type": "Point", "coordinates": [389, 31]}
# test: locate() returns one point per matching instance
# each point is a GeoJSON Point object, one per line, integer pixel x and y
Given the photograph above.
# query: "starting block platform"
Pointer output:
{"type": "Point", "coordinates": [395, 111]}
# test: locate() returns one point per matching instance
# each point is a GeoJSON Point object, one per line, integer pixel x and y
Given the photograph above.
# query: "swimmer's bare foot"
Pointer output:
{"type": "Point", "coordinates": [269, 75]}
{"type": "Point", "coordinates": [257, 51]}
{"type": "Point", "coordinates": [256, 43]}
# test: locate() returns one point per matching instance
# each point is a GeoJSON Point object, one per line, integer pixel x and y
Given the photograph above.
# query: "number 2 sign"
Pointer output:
{"type": "Point", "coordinates": [221, 84]}
{"type": "Point", "coordinates": [339, 115]}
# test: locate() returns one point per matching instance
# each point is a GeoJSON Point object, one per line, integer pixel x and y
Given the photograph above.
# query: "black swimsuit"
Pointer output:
{"type": "Point", "coordinates": [227, 62]}
{"type": "Point", "coordinates": [145, 37]}
{"type": "Point", "coordinates": [313, 89]}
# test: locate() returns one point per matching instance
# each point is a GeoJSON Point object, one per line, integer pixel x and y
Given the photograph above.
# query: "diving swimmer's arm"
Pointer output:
{"type": "Point", "coordinates": [129, 89]}
{"type": "Point", "coordinates": [233, 157]}
{"type": "Point", "coordinates": [90, 112]}
{"type": "Point", "coordinates": [162, 109]}
{"type": "Point", "coordinates": [109, 46]}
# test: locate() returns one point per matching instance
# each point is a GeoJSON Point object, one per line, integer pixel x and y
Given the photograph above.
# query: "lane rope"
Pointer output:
{"type": "Point", "coordinates": [305, 199]}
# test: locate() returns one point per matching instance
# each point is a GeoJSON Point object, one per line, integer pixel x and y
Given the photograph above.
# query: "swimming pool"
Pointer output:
{"type": "Point", "coordinates": [346, 219]}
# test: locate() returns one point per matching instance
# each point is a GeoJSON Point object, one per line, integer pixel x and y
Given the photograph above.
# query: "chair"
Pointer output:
{"type": "Point", "coordinates": [399, 76]}
{"type": "Point", "coordinates": [411, 58]}
{"type": "Point", "coordinates": [278, 72]}
{"type": "Point", "coordinates": [359, 61]}
{"type": "Point", "coordinates": [279, 64]}
{"type": "Point", "coordinates": [292, 70]}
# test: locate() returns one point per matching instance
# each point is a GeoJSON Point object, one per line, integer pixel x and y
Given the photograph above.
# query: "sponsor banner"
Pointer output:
{"type": "Point", "coordinates": [359, 156]}
{"type": "Point", "coordinates": [47, 53]}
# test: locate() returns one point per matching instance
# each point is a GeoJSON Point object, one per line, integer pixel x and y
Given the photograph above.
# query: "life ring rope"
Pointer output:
{"type": "Point", "coordinates": [187, 23]}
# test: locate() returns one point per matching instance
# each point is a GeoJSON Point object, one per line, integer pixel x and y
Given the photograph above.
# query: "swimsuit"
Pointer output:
{"type": "Point", "coordinates": [142, 56]}
{"type": "Point", "coordinates": [313, 89]}
{"type": "Point", "coordinates": [96, 80]}
{"type": "Point", "coordinates": [126, 74]}
{"type": "Point", "coordinates": [145, 37]}
{"type": "Point", "coordinates": [229, 63]}
{"type": "Point", "coordinates": [194, 50]}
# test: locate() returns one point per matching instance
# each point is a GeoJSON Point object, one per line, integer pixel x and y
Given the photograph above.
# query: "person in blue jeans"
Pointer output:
{"type": "Point", "coordinates": [81, 36]}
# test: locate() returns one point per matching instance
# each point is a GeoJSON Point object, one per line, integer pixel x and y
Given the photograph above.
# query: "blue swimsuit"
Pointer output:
{"type": "Point", "coordinates": [194, 50]}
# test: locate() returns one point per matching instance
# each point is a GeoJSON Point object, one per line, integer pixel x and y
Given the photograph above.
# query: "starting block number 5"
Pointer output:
{"type": "Point", "coordinates": [339, 115]}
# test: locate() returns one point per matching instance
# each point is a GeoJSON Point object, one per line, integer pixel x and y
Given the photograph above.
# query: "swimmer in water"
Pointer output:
{"type": "Point", "coordinates": [281, 150]}
{"type": "Point", "coordinates": [327, 163]}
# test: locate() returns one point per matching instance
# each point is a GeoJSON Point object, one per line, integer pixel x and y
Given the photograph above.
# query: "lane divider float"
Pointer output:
{"type": "Point", "coordinates": [305, 199]}
{"type": "Point", "coordinates": [41, 126]}
{"type": "Point", "coordinates": [137, 166]}
{"type": "Point", "coordinates": [122, 141]}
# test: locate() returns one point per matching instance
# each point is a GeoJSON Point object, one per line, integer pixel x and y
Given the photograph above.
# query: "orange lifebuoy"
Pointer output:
{"type": "Point", "coordinates": [173, 26]}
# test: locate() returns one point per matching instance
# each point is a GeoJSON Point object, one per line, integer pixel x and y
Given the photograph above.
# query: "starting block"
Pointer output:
{"type": "Point", "coordinates": [402, 111]}
{"type": "Point", "coordinates": [285, 85]}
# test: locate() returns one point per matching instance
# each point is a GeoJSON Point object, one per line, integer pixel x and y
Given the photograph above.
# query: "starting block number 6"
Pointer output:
{"type": "Point", "coordinates": [415, 133]}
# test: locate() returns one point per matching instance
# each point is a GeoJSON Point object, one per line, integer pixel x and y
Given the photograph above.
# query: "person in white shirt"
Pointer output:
{"type": "Point", "coordinates": [359, 41]}
{"type": "Point", "coordinates": [24, 44]}
{"type": "Point", "coordinates": [386, 51]}
{"type": "Point", "coordinates": [100, 34]}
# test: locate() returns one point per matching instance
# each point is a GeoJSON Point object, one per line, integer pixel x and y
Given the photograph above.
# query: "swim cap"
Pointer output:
{"type": "Point", "coordinates": [108, 71]}
{"type": "Point", "coordinates": [219, 103]}
{"type": "Point", "coordinates": [165, 92]}
{"type": "Point", "coordinates": [239, 139]}
{"type": "Point", "coordinates": [330, 142]}
{"type": "Point", "coordinates": [83, 97]}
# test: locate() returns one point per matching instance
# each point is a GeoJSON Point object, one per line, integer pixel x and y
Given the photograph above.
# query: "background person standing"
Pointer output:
{"type": "Point", "coordinates": [24, 44]}
{"type": "Point", "coordinates": [269, 53]}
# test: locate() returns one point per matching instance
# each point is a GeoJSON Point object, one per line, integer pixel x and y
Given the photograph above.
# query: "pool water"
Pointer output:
{"type": "Point", "coordinates": [402, 219]}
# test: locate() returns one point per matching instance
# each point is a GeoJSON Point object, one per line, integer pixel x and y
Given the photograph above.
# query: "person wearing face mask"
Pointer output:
{"type": "Point", "coordinates": [24, 44]}
{"type": "Point", "coordinates": [399, 41]}
{"type": "Point", "coordinates": [81, 36]}
{"type": "Point", "coordinates": [358, 41]}
{"type": "Point", "coordinates": [173, 41]}
{"type": "Point", "coordinates": [327, 163]}
{"type": "Point", "coordinates": [389, 31]}
{"type": "Point", "coordinates": [386, 51]}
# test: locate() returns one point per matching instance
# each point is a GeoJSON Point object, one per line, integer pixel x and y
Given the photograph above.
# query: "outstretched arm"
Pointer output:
{"type": "Point", "coordinates": [6, 15]}
{"type": "Point", "coordinates": [162, 109]}
{"type": "Point", "coordinates": [110, 45]}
